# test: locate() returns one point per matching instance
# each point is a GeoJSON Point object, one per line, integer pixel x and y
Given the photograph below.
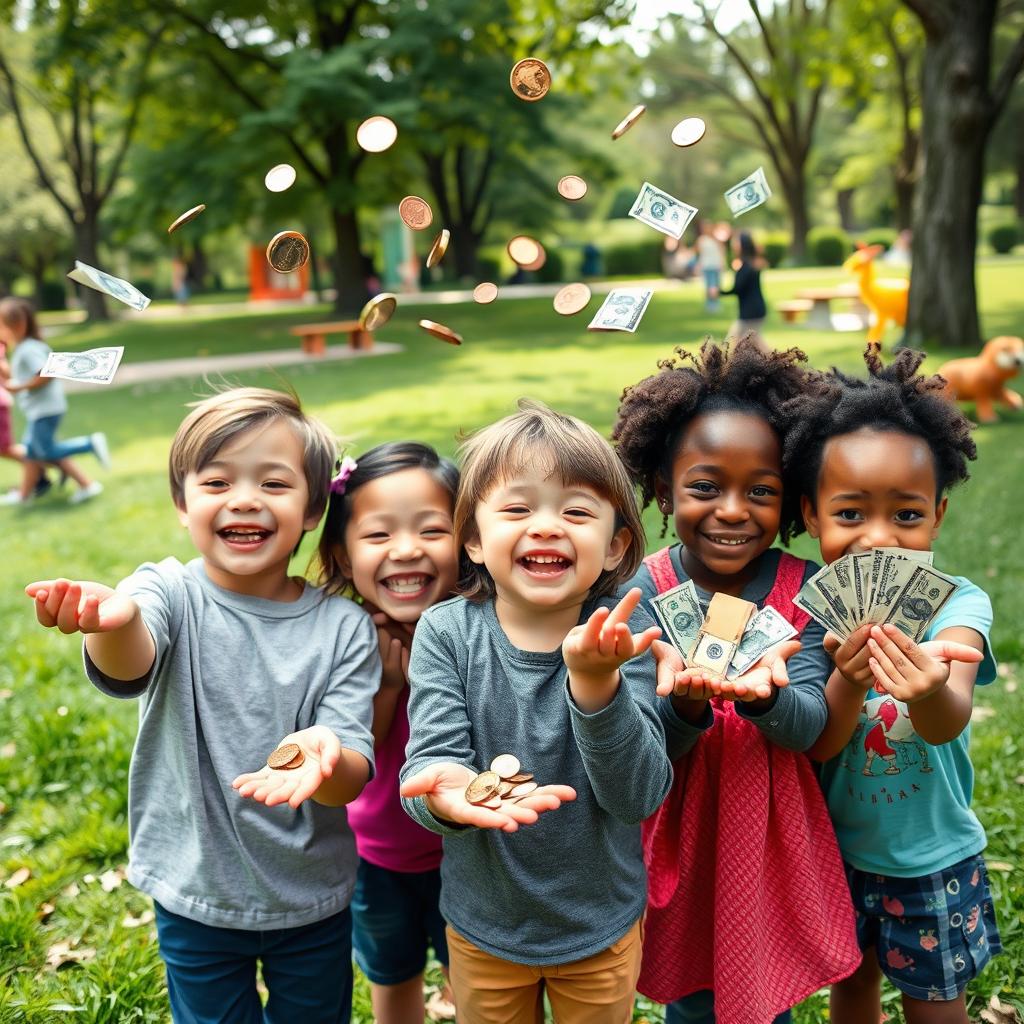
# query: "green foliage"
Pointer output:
{"type": "Point", "coordinates": [879, 236]}
{"type": "Point", "coordinates": [1003, 237]}
{"type": "Point", "coordinates": [639, 258]}
{"type": "Point", "coordinates": [622, 203]}
{"type": "Point", "coordinates": [827, 246]}
{"type": "Point", "coordinates": [553, 269]}
{"type": "Point", "coordinates": [775, 245]}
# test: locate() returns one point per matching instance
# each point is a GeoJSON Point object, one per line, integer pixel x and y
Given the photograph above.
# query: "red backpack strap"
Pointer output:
{"type": "Point", "coordinates": [659, 565]}
{"type": "Point", "coordinates": [789, 578]}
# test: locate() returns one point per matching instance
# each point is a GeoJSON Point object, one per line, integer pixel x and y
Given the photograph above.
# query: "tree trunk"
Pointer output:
{"type": "Point", "coordinates": [796, 199]}
{"type": "Point", "coordinates": [87, 235]}
{"type": "Point", "coordinates": [465, 242]}
{"type": "Point", "coordinates": [904, 189]}
{"type": "Point", "coordinates": [198, 267]}
{"type": "Point", "coordinates": [347, 265]}
{"type": "Point", "coordinates": [844, 203]}
{"type": "Point", "coordinates": [1018, 192]}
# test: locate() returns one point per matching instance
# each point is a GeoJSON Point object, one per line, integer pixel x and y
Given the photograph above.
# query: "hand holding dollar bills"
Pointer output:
{"type": "Point", "coordinates": [909, 671]}
{"type": "Point", "coordinates": [750, 193]}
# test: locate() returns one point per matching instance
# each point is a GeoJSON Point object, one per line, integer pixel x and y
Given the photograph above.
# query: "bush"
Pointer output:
{"type": "Point", "coordinates": [775, 246]}
{"type": "Point", "coordinates": [632, 258]}
{"type": "Point", "coordinates": [1003, 237]}
{"type": "Point", "coordinates": [828, 247]}
{"type": "Point", "coordinates": [489, 267]}
{"type": "Point", "coordinates": [52, 295]}
{"type": "Point", "coordinates": [553, 270]}
{"type": "Point", "coordinates": [622, 203]}
{"type": "Point", "coordinates": [880, 236]}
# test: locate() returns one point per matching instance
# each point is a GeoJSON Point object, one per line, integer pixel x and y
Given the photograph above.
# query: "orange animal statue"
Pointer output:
{"type": "Point", "coordinates": [982, 379]}
{"type": "Point", "coordinates": [885, 297]}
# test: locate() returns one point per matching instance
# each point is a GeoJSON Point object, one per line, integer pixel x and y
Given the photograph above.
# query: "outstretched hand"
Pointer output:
{"type": "Point", "coordinates": [604, 641]}
{"type": "Point", "coordinates": [443, 785]}
{"type": "Point", "coordinates": [321, 750]}
{"type": "Point", "coordinates": [909, 671]}
{"type": "Point", "coordinates": [81, 607]}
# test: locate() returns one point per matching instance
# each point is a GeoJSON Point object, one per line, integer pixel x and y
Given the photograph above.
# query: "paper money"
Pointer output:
{"type": "Point", "coordinates": [680, 615]}
{"type": "Point", "coordinates": [750, 193]}
{"type": "Point", "coordinates": [662, 211]}
{"type": "Point", "coordinates": [815, 605]}
{"type": "Point", "coordinates": [123, 291]}
{"type": "Point", "coordinates": [97, 366]}
{"type": "Point", "coordinates": [622, 310]}
{"type": "Point", "coordinates": [829, 587]}
{"type": "Point", "coordinates": [920, 601]}
{"type": "Point", "coordinates": [767, 629]}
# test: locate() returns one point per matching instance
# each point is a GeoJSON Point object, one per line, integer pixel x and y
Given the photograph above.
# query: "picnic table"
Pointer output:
{"type": "Point", "coordinates": [821, 315]}
{"type": "Point", "coordinates": [314, 336]}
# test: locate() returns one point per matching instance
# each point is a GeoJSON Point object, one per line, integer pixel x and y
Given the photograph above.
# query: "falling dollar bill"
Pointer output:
{"type": "Point", "coordinates": [920, 600]}
{"type": "Point", "coordinates": [622, 310]}
{"type": "Point", "coordinates": [96, 366]}
{"type": "Point", "coordinates": [680, 615]}
{"type": "Point", "coordinates": [750, 193]}
{"type": "Point", "coordinates": [767, 629]}
{"type": "Point", "coordinates": [662, 211]}
{"type": "Point", "coordinates": [123, 291]}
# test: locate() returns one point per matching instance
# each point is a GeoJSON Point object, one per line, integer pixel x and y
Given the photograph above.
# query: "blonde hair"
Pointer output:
{"type": "Point", "coordinates": [219, 419]}
{"type": "Point", "coordinates": [578, 454]}
{"type": "Point", "coordinates": [21, 315]}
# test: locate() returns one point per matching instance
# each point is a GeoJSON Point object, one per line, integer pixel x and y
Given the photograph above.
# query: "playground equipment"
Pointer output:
{"type": "Point", "coordinates": [885, 297]}
{"type": "Point", "coordinates": [982, 378]}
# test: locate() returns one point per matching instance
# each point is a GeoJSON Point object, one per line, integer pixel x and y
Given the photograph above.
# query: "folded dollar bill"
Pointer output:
{"type": "Point", "coordinates": [96, 366]}
{"type": "Point", "coordinates": [622, 310]}
{"type": "Point", "coordinates": [123, 291]}
{"type": "Point", "coordinates": [750, 193]}
{"type": "Point", "coordinates": [765, 631]}
{"type": "Point", "coordinates": [661, 211]}
{"type": "Point", "coordinates": [680, 615]}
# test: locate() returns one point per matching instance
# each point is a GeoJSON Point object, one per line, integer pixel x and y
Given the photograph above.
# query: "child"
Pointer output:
{"type": "Point", "coordinates": [230, 656]}
{"type": "Point", "coordinates": [748, 909]}
{"type": "Point", "coordinates": [388, 538]}
{"type": "Point", "coordinates": [877, 457]}
{"type": "Point", "coordinates": [538, 661]}
{"type": "Point", "coordinates": [746, 286]}
{"type": "Point", "coordinates": [43, 404]}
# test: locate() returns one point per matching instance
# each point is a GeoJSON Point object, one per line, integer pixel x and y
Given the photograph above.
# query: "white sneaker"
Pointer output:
{"type": "Point", "coordinates": [85, 493]}
{"type": "Point", "coordinates": [14, 498]}
{"type": "Point", "coordinates": [101, 450]}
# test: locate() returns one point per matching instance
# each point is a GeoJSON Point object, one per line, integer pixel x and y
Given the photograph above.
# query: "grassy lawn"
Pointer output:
{"type": "Point", "coordinates": [64, 748]}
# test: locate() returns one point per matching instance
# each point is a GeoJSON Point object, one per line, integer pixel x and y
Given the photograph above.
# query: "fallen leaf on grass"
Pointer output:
{"type": "Point", "coordinates": [64, 952]}
{"type": "Point", "coordinates": [111, 880]}
{"type": "Point", "coordinates": [19, 877]}
{"type": "Point", "coordinates": [8, 750]}
{"type": "Point", "coordinates": [45, 910]}
{"type": "Point", "coordinates": [999, 1013]}
{"type": "Point", "coordinates": [146, 917]}
{"type": "Point", "coordinates": [72, 891]}
{"type": "Point", "coordinates": [1019, 780]}
{"type": "Point", "coordinates": [438, 1008]}
{"type": "Point", "coordinates": [6, 694]}
{"type": "Point", "coordinates": [1010, 686]}
{"type": "Point", "coordinates": [88, 879]}
{"type": "Point", "coordinates": [998, 865]}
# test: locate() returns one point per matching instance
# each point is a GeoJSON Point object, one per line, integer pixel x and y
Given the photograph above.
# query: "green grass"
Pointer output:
{"type": "Point", "coordinates": [64, 748]}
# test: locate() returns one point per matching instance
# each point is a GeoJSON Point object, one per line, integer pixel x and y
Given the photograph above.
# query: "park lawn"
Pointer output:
{"type": "Point", "coordinates": [64, 748]}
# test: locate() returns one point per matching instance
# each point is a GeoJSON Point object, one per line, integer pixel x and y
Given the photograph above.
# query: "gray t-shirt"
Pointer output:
{"type": "Point", "coordinates": [28, 358]}
{"type": "Point", "coordinates": [570, 885]}
{"type": "Point", "coordinates": [232, 675]}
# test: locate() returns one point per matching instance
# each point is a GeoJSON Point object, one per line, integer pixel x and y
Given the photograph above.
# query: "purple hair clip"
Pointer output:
{"type": "Point", "coordinates": [345, 470]}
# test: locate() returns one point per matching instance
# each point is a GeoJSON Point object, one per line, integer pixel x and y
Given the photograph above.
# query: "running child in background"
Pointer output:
{"type": "Point", "coordinates": [876, 458]}
{"type": "Point", "coordinates": [741, 856]}
{"type": "Point", "coordinates": [539, 661]}
{"type": "Point", "coordinates": [388, 540]}
{"type": "Point", "coordinates": [746, 286]}
{"type": "Point", "coordinates": [230, 656]}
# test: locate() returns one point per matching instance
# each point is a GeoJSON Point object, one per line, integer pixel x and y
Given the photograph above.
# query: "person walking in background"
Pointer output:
{"type": "Point", "coordinates": [8, 449]}
{"type": "Point", "coordinates": [42, 401]}
{"type": "Point", "coordinates": [711, 259]}
{"type": "Point", "coordinates": [746, 286]}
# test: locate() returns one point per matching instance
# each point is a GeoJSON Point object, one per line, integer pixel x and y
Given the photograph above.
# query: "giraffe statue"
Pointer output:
{"type": "Point", "coordinates": [885, 297]}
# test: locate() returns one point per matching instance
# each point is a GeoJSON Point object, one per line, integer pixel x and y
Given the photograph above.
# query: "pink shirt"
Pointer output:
{"type": "Point", "coordinates": [385, 834]}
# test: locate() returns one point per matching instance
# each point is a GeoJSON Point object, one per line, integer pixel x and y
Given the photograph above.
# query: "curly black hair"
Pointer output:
{"type": "Point", "coordinates": [654, 413]}
{"type": "Point", "coordinates": [891, 398]}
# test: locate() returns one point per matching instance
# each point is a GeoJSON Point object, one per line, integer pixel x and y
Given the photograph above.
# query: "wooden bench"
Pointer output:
{"type": "Point", "coordinates": [792, 310]}
{"type": "Point", "coordinates": [314, 336]}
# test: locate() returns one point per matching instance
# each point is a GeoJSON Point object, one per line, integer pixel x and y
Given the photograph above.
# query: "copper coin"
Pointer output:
{"type": "Point", "coordinates": [628, 121]}
{"type": "Point", "coordinates": [416, 213]}
{"type": "Point", "coordinates": [523, 789]}
{"type": "Point", "coordinates": [442, 332]}
{"type": "Point", "coordinates": [287, 251]}
{"type": "Point", "coordinates": [530, 79]}
{"type": "Point", "coordinates": [493, 804]}
{"type": "Point", "coordinates": [186, 217]}
{"type": "Point", "coordinates": [483, 787]}
{"type": "Point", "coordinates": [376, 134]}
{"type": "Point", "coordinates": [571, 299]}
{"type": "Point", "coordinates": [505, 788]}
{"type": "Point", "coordinates": [521, 777]}
{"type": "Point", "coordinates": [439, 248]}
{"type": "Point", "coordinates": [524, 250]}
{"type": "Point", "coordinates": [506, 765]}
{"type": "Point", "coordinates": [295, 762]}
{"type": "Point", "coordinates": [378, 311]}
{"type": "Point", "coordinates": [572, 187]}
{"type": "Point", "coordinates": [485, 293]}
{"type": "Point", "coordinates": [280, 757]}
{"type": "Point", "coordinates": [689, 131]}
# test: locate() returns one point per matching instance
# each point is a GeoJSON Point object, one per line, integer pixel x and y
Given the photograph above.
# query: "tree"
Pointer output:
{"type": "Point", "coordinates": [89, 70]}
{"type": "Point", "coordinates": [961, 100]}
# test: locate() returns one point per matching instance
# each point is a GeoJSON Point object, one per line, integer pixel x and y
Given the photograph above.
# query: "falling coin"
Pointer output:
{"type": "Point", "coordinates": [524, 250]}
{"type": "Point", "coordinates": [530, 79]}
{"type": "Point", "coordinates": [439, 248]}
{"type": "Point", "coordinates": [186, 217]}
{"type": "Point", "coordinates": [571, 299]}
{"type": "Point", "coordinates": [280, 178]}
{"type": "Point", "coordinates": [442, 332]}
{"type": "Point", "coordinates": [628, 121]}
{"type": "Point", "coordinates": [283, 755]}
{"type": "Point", "coordinates": [506, 765]}
{"type": "Point", "coordinates": [572, 187]}
{"type": "Point", "coordinates": [378, 311]}
{"type": "Point", "coordinates": [539, 262]}
{"type": "Point", "coordinates": [287, 251]}
{"type": "Point", "coordinates": [415, 212]}
{"type": "Point", "coordinates": [483, 787]}
{"type": "Point", "coordinates": [485, 292]}
{"type": "Point", "coordinates": [689, 131]}
{"type": "Point", "coordinates": [376, 134]}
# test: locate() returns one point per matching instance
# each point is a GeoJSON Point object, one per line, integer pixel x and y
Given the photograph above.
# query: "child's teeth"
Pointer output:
{"type": "Point", "coordinates": [406, 586]}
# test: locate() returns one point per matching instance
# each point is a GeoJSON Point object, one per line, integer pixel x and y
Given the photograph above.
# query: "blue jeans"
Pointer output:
{"type": "Point", "coordinates": [712, 279]}
{"type": "Point", "coordinates": [699, 1008]}
{"type": "Point", "coordinates": [42, 444]}
{"type": "Point", "coordinates": [211, 971]}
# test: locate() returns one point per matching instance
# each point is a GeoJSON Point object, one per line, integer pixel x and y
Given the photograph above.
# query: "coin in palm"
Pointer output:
{"type": "Point", "coordinates": [482, 788]}
{"type": "Point", "coordinates": [283, 757]}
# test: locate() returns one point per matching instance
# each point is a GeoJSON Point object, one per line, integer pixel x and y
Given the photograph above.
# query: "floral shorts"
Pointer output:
{"type": "Point", "coordinates": [931, 934]}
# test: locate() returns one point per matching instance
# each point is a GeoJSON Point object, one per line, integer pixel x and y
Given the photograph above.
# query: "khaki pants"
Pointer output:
{"type": "Point", "coordinates": [597, 990]}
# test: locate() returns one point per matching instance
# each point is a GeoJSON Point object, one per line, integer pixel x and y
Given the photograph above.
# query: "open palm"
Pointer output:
{"type": "Point", "coordinates": [321, 750]}
{"type": "Point", "coordinates": [81, 607]}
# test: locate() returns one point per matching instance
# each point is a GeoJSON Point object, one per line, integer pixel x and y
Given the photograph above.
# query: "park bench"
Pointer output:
{"type": "Point", "coordinates": [314, 336]}
{"type": "Point", "coordinates": [792, 310]}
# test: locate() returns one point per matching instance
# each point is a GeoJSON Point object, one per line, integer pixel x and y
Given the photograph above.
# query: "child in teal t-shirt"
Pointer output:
{"type": "Point", "coordinates": [876, 457]}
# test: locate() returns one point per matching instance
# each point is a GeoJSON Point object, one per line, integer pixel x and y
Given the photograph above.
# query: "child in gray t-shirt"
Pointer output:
{"type": "Point", "coordinates": [231, 657]}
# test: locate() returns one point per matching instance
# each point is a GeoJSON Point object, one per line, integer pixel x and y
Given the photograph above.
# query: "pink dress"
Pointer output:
{"type": "Point", "coordinates": [747, 893]}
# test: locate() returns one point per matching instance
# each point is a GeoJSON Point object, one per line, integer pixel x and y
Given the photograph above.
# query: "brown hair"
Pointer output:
{"type": "Point", "coordinates": [215, 421]}
{"type": "Point", "coordinates": [578, 455]}
{"type": "Point", "coordinates": [20, 314]}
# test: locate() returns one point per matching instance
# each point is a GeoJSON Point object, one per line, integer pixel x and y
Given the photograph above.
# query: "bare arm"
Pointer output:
{"type": "Point", "coordinates": [346, 782]}
{"type": "Point", "coordinates": [27, 385]}
{"type": "Point", "coordinates": [944, 714]}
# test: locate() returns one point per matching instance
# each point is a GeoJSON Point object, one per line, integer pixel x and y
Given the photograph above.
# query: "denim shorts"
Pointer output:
{"type": "Point", "coordinates": [931, 934]}
{"type": "Point", "coordinates": [395, 919]}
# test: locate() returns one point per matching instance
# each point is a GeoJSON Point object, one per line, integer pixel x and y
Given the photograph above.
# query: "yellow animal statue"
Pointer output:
{"type": "Point", "coordinates": [885, 297]}
{"type": "Point", "coordinates": [982, 378]}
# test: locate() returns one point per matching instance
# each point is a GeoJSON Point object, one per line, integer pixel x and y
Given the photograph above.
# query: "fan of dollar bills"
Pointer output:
{"type": "Point", "coordinates": [892, 585]}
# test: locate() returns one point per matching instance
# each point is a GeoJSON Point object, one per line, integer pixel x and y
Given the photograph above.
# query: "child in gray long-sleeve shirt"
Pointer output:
{"type": "Point", "coordinates": [539, 661]}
